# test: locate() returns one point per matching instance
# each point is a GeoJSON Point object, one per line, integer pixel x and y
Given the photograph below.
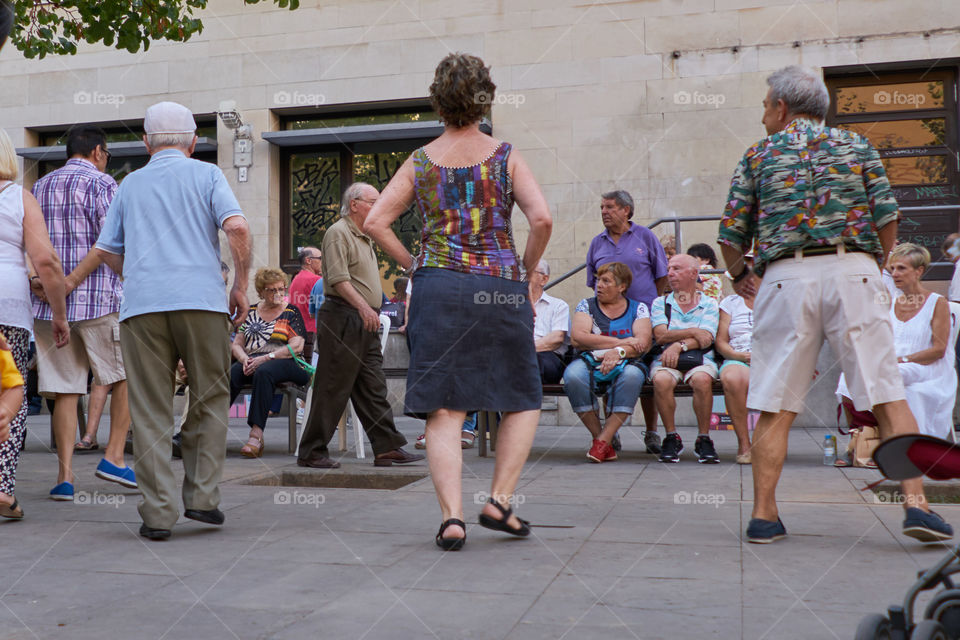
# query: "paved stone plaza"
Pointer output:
{"type": "Point", "coordinates": [616, 552]}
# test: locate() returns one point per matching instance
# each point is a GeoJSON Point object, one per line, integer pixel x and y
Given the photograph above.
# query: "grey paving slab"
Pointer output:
{"type": "Point", "coordinates": [631, 549]}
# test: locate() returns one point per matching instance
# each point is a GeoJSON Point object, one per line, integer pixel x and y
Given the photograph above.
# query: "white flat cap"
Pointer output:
{"type": "Point", "coordinates": [168, 117]}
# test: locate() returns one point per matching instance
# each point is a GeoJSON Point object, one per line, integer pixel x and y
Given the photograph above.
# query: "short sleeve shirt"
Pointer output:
{"type": "Point", "coordinates": [807, 186]}
{"type": "Point", "coordinates": [706, 315]}
{"type": "Point", "coordinates": [639, 249]}
{"type": "Point", "coordinates": [349, 256]}
{"type": "Point", "coordinates": [741, 322]}
{"type": "Point", "coordinates": [553, 314]}
{"type": "Point", "coordinates": [165, 220]}
{"type": "Point", "coordinates": [300, 290]}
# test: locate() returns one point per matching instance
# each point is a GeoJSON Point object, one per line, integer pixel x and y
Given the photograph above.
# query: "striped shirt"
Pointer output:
{"type": "Point", "coordinates": [706, 315]}
{"type": "Point", "coordinates": [74, 200]}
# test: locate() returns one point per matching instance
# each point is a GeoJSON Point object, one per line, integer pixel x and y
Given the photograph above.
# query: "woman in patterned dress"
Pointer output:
{"type": "Point", "coordinates": [471, 320]}
{"type": "Point", "coordinates": [22, 229]}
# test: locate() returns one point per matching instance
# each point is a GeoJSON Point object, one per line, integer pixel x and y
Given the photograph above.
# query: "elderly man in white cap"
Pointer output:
{"type": "Point", "coordinates": [161, 235]}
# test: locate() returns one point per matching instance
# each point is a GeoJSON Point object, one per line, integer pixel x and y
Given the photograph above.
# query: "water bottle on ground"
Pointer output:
{"type": "Point", "coordinates": [829, 450]}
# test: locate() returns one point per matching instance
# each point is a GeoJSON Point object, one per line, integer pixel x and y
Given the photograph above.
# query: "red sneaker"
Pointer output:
{"type": "Point", "coordinates": [601, 452]}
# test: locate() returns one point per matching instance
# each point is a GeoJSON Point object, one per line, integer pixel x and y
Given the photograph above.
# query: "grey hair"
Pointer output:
{"type": "Point", "coordinates": [157, 140]}
{"type": "Point", "coordinates": [544, 267]}
{"type": "Point", "coordinates": [622, 198]}
{"type": "Point", "coordinates": [305, 253]}
{"type": "Point", "coordinates": [353, 192]}
{"type": "Point", "coordinates": [802, 90]}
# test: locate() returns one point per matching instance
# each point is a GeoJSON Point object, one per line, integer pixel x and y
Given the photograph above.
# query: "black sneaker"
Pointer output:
{"type": "Point", "coordinates": [672, 448]}
{"type": "Point", "coordinates": [705, 450]}
{"type": "Point", "coordinates": [652, 441]}
{"type": "Point", "coordinates": [177, 451]}
{"type": "Point", "coordinates": [764, 531]}
{"type": "Point", "coordinates": [926, 527]}
{"type": "Point", "coordinates": [615, 443]}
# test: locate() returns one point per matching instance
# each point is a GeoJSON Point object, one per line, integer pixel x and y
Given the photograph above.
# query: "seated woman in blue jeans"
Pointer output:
{"type": "Point", "coordinates": [615, 329]}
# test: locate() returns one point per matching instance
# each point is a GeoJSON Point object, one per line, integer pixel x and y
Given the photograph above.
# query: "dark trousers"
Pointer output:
{"type": "Point", "coordinates": [265, 379]}
{"type": "Point", "coordinates": [351, 367]}
{"type": "Point", "coordinates": [551, 367]}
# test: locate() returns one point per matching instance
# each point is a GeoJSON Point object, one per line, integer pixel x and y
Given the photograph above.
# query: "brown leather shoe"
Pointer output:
{"type": "Point", "coordinates": [398, 456]}
{"type": "Point", "coordinates": [318, 463]}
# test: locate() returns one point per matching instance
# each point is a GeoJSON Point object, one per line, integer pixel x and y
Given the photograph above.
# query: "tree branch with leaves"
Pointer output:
{"type": "Point", "coordinates": [41, 27]}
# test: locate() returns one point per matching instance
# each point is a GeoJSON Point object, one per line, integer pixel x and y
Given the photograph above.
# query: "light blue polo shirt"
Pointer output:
{"type": "Point", "coordinates": [706, 315]}
{"type": "Point", "coordinates": [165, 221]}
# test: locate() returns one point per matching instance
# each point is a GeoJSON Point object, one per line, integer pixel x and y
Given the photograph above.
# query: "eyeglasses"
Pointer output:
{"type": "Point", "coordinates": [370, 202]}
{"type": "Point", "coordinates": [109, 155]}
{"type": "Point", "coordinates": [313, 257]}
{"type": "Point", "coordinates": [275, 292]}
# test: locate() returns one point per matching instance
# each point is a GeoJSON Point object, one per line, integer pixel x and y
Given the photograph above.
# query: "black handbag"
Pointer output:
{"type": "Point", "coordinates": [689, 359]}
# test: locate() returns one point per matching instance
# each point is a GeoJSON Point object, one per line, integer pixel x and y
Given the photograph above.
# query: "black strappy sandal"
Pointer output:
{"type": "Point", "coordinates": [501, 525]}
{"type": "Point", "coordinates": [451, 544]}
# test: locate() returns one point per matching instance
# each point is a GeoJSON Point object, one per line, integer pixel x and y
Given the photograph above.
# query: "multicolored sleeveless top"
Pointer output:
{"type": "Point", "coordinates": [466, 216]}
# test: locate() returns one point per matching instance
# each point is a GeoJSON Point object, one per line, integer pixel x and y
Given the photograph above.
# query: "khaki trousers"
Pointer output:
{"type": "Point", "coordinates": [152, 344]}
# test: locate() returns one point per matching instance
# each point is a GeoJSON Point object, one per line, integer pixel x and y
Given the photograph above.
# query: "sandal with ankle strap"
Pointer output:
{"type": "Point", "coordinates": [501, 524]}
{"type": "Point", "coordinates": [451, 544]}
{"type": "Point", "coordinates": [250, 450]}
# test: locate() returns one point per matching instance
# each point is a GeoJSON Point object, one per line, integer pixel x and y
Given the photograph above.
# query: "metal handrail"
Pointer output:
{"type": "Point", "coordinates": [677, 240]}
{"type": "Point", "coordinates": [678, 243]}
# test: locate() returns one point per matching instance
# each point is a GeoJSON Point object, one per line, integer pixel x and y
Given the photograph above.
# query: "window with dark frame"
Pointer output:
{"type": "Point", "coordinates": [314, 177]}
{"type": "Point", "coordinates": [120, 166]}
{"type": "Point", "coordinates": [910, 117]}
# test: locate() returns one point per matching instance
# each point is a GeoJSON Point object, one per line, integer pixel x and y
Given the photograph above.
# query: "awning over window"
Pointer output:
{"type": "Point", "coordinates": [117, 150]}
{"type": "Point", "coordinates": [360, 133]}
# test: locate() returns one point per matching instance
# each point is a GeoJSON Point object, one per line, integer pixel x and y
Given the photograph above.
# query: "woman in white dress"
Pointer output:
{"type": "Point", "coordinates": [921, 333]}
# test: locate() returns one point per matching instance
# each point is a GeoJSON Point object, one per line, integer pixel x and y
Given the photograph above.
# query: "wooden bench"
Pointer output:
{"type": "Point", "coordinates": [487, 420]}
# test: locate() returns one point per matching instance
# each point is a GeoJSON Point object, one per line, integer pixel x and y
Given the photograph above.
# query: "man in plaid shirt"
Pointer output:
{"type": "Point", "coordinates": [75, 199]}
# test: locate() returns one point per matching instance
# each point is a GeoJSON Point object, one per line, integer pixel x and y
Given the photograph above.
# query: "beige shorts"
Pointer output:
{"type": "Point", "coordinates": [803, 301]}
{"type": "Point", "coordinates": [707, 368]}
{"type": "Point", "coordinates": [94, 345]}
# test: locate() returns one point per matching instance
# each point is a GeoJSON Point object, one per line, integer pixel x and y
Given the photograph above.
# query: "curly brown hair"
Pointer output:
{"type": "Point", "coordinates": [462, 90]}
{"type": "Point", "coordinates": [267, 276]}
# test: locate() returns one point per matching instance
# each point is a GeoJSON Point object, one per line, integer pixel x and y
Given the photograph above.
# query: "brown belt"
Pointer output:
{"type": "Point", "coordinates": [807, 252]}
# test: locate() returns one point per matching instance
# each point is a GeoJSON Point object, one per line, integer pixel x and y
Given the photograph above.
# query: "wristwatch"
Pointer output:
{"type": "Point", "coordinates": [272, 355]}
{"type": "Point", "coordinates": [683, 346]}
{"type": "Point", "coordinates": [622, 352]}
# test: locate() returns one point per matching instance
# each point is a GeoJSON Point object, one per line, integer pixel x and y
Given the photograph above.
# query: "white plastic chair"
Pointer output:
{"type": "Point", "coordinates": [355, 421]}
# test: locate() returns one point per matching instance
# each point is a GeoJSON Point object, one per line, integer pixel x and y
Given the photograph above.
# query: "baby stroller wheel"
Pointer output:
{"type": "Point", "coordinates": [873, 627]}
{"type": "Point", "coordinates": [929, 630]}
{"type": "Point", "coordinates": [945, 609]}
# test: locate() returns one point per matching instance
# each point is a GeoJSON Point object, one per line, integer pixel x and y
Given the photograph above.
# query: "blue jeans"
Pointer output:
{"type": "Point", "coordinates": [623, 392]}
{"type": "Point", "coordinates": [470, 423]}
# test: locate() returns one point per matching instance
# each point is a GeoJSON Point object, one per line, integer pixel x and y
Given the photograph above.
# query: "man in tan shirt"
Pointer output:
{"type": "Point", "coordinates": [351, 364]}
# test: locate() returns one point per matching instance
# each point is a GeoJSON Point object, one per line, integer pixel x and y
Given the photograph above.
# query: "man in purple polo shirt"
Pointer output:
{"type": "Point", "coordinates": [638, 248]}
{"type": "Point", "coordinates": [75, 199]}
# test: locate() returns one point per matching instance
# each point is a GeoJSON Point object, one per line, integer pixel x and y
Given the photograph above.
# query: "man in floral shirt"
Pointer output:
{"type": "Point", "coordinates": [818, 206]}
